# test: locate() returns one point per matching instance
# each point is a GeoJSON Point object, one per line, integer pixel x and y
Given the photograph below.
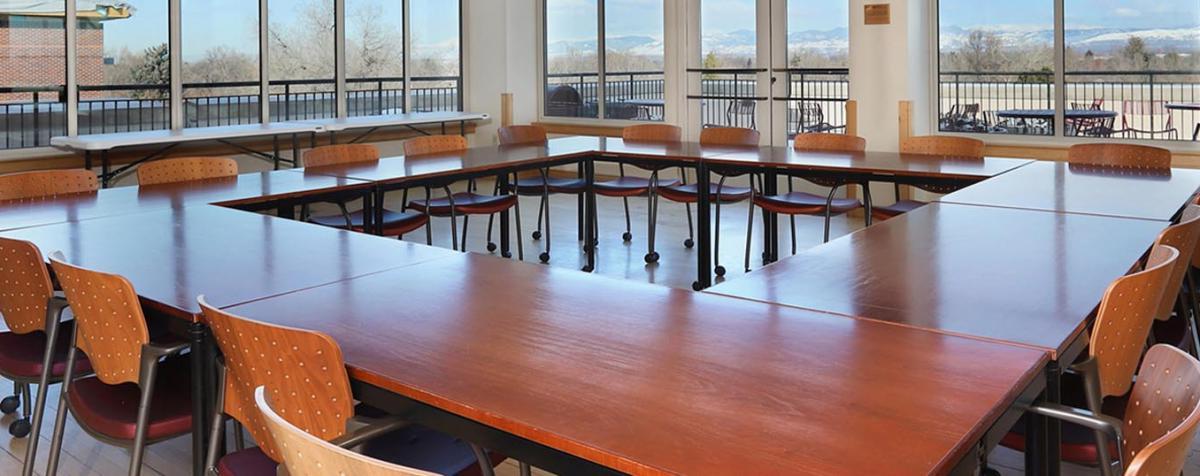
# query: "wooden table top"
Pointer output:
{"type": "Point", "coordinates": [648, 379]}
{"type": "Point", "coordinates": [1018, 276]}
{"type": "Point", "coordinates": [1060, 187]}
{"type": "Point", "coordinates": [250, 187]}
{"type": "Point", "coordinates": [174, 255]}
{"type": "Point", "coordinates": [872, 162]}
{"type": "Point", "coordinates": [674, 151]}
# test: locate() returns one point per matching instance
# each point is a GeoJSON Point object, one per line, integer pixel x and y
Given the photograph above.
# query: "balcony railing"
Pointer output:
{"type": "Point", "coordinates": [1127, 104]}
{"type": "Point", "coordinates": [31, 116]}
{"type": "Point", "coordinates": [816, 100]}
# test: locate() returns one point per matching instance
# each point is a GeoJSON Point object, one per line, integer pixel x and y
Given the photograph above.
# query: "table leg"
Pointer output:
{"type": "Point", "coordinates": [1196, 135]}
{"type": "Point", "coordinates": [1035, 441]}
{"type": "Point", "coordinates": [589, 215]}
{"type": "Point", "coordinates": [505, 241]}
{"type": "Point", "coordinates": [703, 231]}
{"type": "Point", "coordinates": [579, 212]}
{"type": "Point", "coordinates": [770, 221]}
{"type": "Point", "coordinates": [377, 196]}
{"type": "Point", "coordinates": [275, 150]}
{"type": "Point", "coordinates": [1053, 453]}
{"type": "Point", "coordinates": [368, 213]}
{"type": "Point", "coordinates": [104, 168]}
{"type": "Point", "coordinates": [87, 159]}
{"type": "Point", "coordinates": [295, 150]}
{"type": "Point", "coordinates": [201, 366]}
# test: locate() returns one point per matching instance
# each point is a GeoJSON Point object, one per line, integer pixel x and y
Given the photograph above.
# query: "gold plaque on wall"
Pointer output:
{"type": "Point", "coordinates": [877, 14]}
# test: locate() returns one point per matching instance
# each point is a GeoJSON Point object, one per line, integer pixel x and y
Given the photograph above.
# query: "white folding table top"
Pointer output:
{"type": "Point", "coordinates": [113, 140]}
{"type": "Point", "coordinates": [390, 120]}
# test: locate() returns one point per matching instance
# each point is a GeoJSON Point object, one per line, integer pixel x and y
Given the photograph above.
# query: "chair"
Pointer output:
{"type": "Point", "coordinates": [956, 147]}
{"type": "Point", "coordinates": [1118, 337]}
{"type": "Point", "coordinates": [111, 330]}
{"type": "Point", "coordinates": [542, 185]}
{"type": "Point", "coordinates": [718, 192]}
{"type": "Point", "coordinates": [321, 402]}
{"type": "Point", "coordinates": [464, 203]}
{"type": "Point", "coordinates": [624, 187]}
{"type": "Point", "coordinates": [812, 119]}
{"type": "Point", "coordinates": [1175, 328]}
{"type": "Point", "coordinates": [395, 223]}
{"type": "Point", "coordinates": [47, 183]}
{"type": "Point", "coordinates": [795, 203]}
{"type": "Point", "coordinates": [1153, 109]}
{"type": "Point", "coordinates": [1120, 155]}
{"type": "Point", "coordinates": [34, 349]}
{"type": "Point", "coordinates": [186, 169]}
{"type": "Point", "coordinates": [738, 108]}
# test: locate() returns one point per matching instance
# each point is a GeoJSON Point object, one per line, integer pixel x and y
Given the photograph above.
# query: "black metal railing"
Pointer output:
{"type": "Point", "coordinates": [30, 116]}
{"type": "Point", "coordinates": [1126, 104]}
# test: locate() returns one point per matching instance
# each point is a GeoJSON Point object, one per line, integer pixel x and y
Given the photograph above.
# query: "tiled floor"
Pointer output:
{"type": "Point", "coordinates": [84, 455]}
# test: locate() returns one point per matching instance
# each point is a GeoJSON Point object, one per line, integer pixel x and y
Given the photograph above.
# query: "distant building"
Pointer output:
{"type": "Point", "coordinates": [32, 49]}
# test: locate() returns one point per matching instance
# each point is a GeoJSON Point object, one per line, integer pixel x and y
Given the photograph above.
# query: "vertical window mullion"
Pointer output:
{"type": "Point", "coordinates": [406, 66]}
{"type": "Point", "coordinates": [1060, 87]}
{"type": "Point", "coordinates": [601, 66]}
{"type": "Point", "coordinates": [175, 64]}
{"type": "Point", "coordinates": [339, 58]}
{"type": "Point", "coordinates": [264, 71]}
{"type": "Point", "coordinates": [71, 27]}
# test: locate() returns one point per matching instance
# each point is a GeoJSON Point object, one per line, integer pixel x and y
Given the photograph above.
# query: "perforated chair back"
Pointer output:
{"type": "Point", "coordinates": [109, 323]}
{"type": "Point", "coordinates": [1162, 414]}
{"type": "Point", "coordinates": [737, 136]}
{"type": "Point", "coordinates": [302, 370]}
{"type": "Point", "coordinates": [307, 455]}
{"type": "Point", "coordinates": [426, 145]}
{"type": "Point", "coordinates": [25, 286]}
{"type": "Point", "coordinates": [960, 147]}
{"type": "Point", "coordinates": [513, 135]}
{"type": "Point", "coordinates": [652, 133]}
{"type": "Point", "coordinates": [186, 169]}
{"type": "Point", "coordinates": [340, 154]}
{"type": "Point", "coordinates": [1123, 322]}
{"type": "Point", "coordinates": [1183, 237]}
{"type": "Point", "coordinates": [1191, 213]}
{"type": "Point", "coordinates": [829, 142]}
{"type": "Point", "coordinates": [1120, 155]}
{"type": "Point", "coordinates": [47, 183]}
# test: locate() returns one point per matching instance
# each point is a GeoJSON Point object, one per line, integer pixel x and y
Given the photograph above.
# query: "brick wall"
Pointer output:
{"type": "Point", "coordinates": [35, 57]}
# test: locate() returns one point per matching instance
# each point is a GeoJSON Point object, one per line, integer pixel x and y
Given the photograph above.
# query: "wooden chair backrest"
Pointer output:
{"type": "Point", "coordinates": [1162, 414]}
{"type": "Point", "coordinates": [1191, 213]}
{"type": "Point", "coordinates": [1127, 310]}
{"type": "Point", "coordinates": [426, 145]}
{"type": "Point", "coordinates": [186, 169]}
{"type": "Point", "coordinates": [1183, 237]}
{"type": "Point", "coordinates": [729, 136]}
{"type": "Point", "coordinates": [340, 154]}
{"type": "Point", "coordinates": [25, 286]}
{"type": "Point", "coordinates": [530, 134]}
{"type": "Point", "coordinates": [47, 183]}
{"type": "Point", "coordinates": [1120, 155]}
{"type": "Point", "coordinates": [652, 133]}
{"type": "Point", "coordinates": [962, 147]}
{"type": "Point", "coordinates": [307, 455]}
{"type": "Point", "coordinates": [829, 142]}
{"type": "Point", "coordinates": [302, 370]}
{"type": "Point", "coordinates": [109, 323]}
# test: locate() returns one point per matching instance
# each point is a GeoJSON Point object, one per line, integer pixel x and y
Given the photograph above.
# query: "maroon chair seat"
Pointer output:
{"type": "Point", "coordinates": [630, 186]}
{"type": "Point", "coordinates": [535, 185]}
{"type": "Point", "coordinates": [803, 203]}
{"type": "Point", "coordinates": [21, 354]}
{"type": "Point", "coordinates": [111, 410]}
{"type": "Point", "coordinates": [394, 223]}
{"type": "Point", "coordinates": [465, 204]}
{"type": "Point", "coordinates": [247, 462]}
{"type": "Point", "coordinates": [884, 212]}
{"type": "Point", "coordinates": [690, 193]}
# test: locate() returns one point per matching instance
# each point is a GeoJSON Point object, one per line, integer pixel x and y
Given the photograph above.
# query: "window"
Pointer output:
{"type": "Point", "coordinates": [572, 61]}
{"type": "Point", "coordinates": [728, 50]}
{"type": "Point", "coordinates": [1130, 68]}
{"type": "Point", "coordinates": [301, 59]}
{"type": "Point", "coordinates": [123, 66]}
{"type": "Point", "coordinates": [436, 77]}
{"type": "Point", "coordinates": [220, 62]}
{"type": "Point", "coordinates": [818, 57]}
{"type": "Point", "coordinates": [374, 57]}
{"type": "Point", "coordinates": [32, 73]}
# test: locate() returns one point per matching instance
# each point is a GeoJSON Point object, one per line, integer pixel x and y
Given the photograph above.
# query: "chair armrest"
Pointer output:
{"type": "Point", "coordinates": [1110, 426]}
{"type": "Point", "coordinates": [164, 350]}
{"type": "Point", "coordinates": [375, 429]}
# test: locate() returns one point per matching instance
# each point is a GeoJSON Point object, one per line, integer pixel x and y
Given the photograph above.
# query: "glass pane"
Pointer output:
{"type": "Point", "coordinates": [301, 59]}
{"type": "Point", "coordinates": [1133, 68]}
{"type": "Point", "coordinates": [33, 73]}
{"type": "Point", "coordinates": [634, 59]}
{"type": "Point", "coordinates": [818, 50]}
{"type": "Point", "coordinates": [996, 63]}
{"type": "Point", "coordinates": [220, 62]}
{"type": "Point", "coordinates": [436, 73]}
{"type": "Point", "coordinates": [123, 66]}
{"type": "Point", "coordinates": [572, 58]}
{"type": "Point", "coordinates": [728, 40]}
{"type": "Point", "coordinates": [375, 57]}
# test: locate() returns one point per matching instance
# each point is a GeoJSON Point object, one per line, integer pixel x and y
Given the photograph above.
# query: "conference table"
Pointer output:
{"type": "Point", "coordinates": [581, 373]}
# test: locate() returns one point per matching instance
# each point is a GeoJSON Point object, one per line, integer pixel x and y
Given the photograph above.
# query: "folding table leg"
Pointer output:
{"type": "Point", "coordinates": [505, 241]}
{"type": "Point", "coordinates": [1053, 426]}
{"type": "Point", "coordinates": [703, 231]}
{"type": "Point", "coordinates": [200, 366]}
{"type": "Point", "coordinates": [589, 234]}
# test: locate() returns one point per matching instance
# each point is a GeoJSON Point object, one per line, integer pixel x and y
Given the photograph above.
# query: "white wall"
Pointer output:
{"type": "Point", "coordinates": [501, 57]}
{"type": "Point", "coordinates": [883, 72]}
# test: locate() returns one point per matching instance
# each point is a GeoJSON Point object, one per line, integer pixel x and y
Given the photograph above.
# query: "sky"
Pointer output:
{"type": "Point", "coordinates": [575, 20]}
{"type": "Point", "coordinates": [1079, 13]}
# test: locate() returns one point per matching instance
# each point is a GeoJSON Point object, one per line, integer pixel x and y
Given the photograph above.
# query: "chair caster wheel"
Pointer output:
{"type": "Point", "coordinates": [545, 257]}
{"type": "Point", "coordinates": [491, 247]}
{"type": "Point", "coordinates": [537, 235]}
{"type": "Point", "coordinates": [587, 269]}
{"type": "Point", "coordinates": [9, 404]}
{"type": "Point", "coordinates": [696, 286]}
{"type": "Point", "coordinates": [507, 255]}
{"type": "Point", "coordinates": [627, 237]}
{"type": "Point", "coordinates": [20, 428]}
{"type": "Point", "coordinates": [720, 271]}
{"type": "Point", "coordinates": [989, 472]}
{"type": "Point", "coordinates": [688, 243]}
{"type": "Point", "coordinates": [652, 257]}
